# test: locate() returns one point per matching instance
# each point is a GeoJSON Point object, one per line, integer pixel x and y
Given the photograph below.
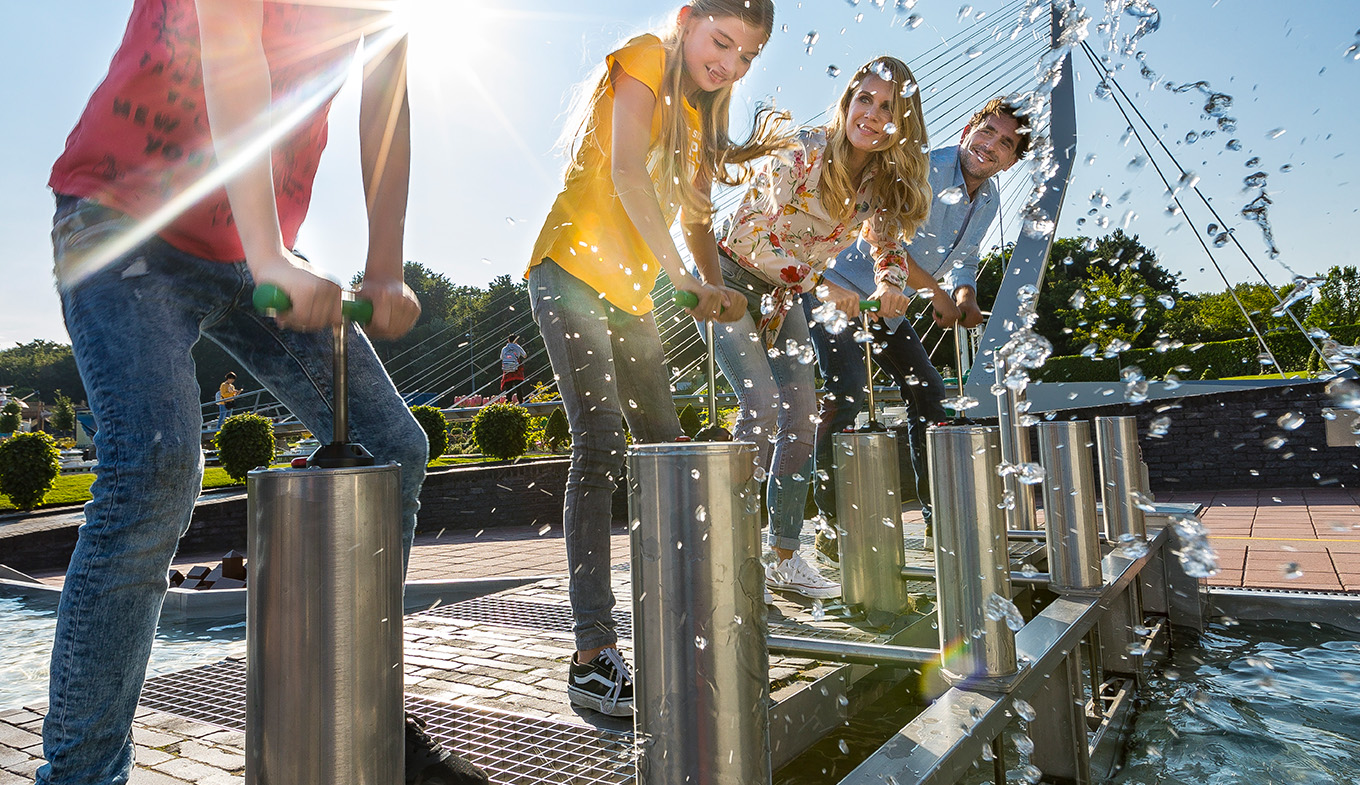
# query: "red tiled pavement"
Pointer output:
{"type": "Point", "coordinates": [1283, 539]}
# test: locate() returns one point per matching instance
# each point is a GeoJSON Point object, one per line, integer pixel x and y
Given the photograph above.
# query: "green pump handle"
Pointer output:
{"type": "Point", "coordinates": [270, 299]}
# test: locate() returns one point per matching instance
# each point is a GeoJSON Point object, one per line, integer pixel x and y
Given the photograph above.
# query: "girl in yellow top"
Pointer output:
{"type": "Point", "coordinates": [653, 140]}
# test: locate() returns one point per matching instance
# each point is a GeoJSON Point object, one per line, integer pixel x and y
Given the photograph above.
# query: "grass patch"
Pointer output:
{"type": "Point", "coordinates": [75, 488]}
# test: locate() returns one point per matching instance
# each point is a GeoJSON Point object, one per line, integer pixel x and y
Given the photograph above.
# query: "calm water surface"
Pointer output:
{"type": "Point", "coordinates": [27, 627]}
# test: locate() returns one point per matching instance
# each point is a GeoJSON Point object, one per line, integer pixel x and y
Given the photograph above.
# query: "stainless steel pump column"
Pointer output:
{"type": "Point", "coordinates": [869, 518]}
{"type": "Point", "coordinates": [702, 667]}
{"type": "Point", "coordinates": [1070, 507]}
{"type": "Point", "coordinates": [971, 555]}
{"type": "Point", "coordinates": [323, 618]}
{"type": "Point", "coordinates": [1121, 477]}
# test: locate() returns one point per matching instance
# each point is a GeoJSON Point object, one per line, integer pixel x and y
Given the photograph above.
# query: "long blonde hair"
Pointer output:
{"type": "Point", "coordinates": [899, 190]}
{"type": "Point", "coordinates": [718, 154]}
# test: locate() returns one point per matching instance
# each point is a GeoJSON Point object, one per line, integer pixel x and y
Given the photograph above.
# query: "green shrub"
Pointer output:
{"type": "Point", "coordinates": [436, 428]}
{"type": "Point", "coordinates": [502, 430]}
{"type": "Point", "coordinates": [29, 465]}
{"type": "Point", "coordinates": [557, 432]}
{"type": "Point", "coordinates": [245, 442]}
{"type": "Point", "coordinates": [10, 417]}
{"type": "Point", "coordinates": [63, 414]}
{"type": "Point", "coordinates": [689, 421]}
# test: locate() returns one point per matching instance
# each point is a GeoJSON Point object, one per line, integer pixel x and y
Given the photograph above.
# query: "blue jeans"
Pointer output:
{"type": "Point", "coordinates": [841, 362]}
{"type": "Point", "coordinates": [777, 402]}
{"type": "Point", "coordinates": [221, 416]}
{"type": "Point", "coordinates": [609, 367]}
{"type": "Point", "coordinates": [132, 326]}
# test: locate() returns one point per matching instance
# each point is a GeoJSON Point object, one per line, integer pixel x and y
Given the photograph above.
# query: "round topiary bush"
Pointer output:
{"type": "Point", "coordinates": [245, 442]}
{"type": "Point", "coordinates": [502, 430]}
{"type": "Point", "coordinates": [29, 465]}
{"type": "Point", "coordinates": [11, 416]}
{"type": "Point", "coordinates": [436, 428]}
{"type": "Point", "coordinates": [557, 432]}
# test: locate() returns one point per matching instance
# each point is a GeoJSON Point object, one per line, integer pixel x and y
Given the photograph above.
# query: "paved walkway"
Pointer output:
{"type": "Point", "coordinates": [1284, 539]}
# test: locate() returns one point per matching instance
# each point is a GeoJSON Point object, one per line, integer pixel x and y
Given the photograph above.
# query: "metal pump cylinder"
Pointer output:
{"type": "Point", "coordinates": [701, 685]}
{"type": "Point", "coordinates": [1015, 451]}
{"type": "Point", "coordinates": [869, 517]}
{"type": "Point", "coordinates": [971, 555]}
{"type": "Point", "coordinates": [323, 627]}
{"type": "Point", "coordinates": [1070, 506]}
{"type": "Point", "coordinates": [1121, 475]}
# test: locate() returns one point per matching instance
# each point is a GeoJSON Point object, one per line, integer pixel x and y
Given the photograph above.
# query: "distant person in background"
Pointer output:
{"type": "Point", "coordinates": [225, 393]}
{"type": "Point", "coordinates": [966, 199]}
{"type": "Point", "coordinates": [512, 364]}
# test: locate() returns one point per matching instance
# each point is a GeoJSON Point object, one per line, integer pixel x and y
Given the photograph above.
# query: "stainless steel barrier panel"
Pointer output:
{"type": "Point", "coordinates": [1121, 474]}
{"type": "Point", "coordinates": [323, 627]}
{"type": "Point", "coordinates": [971, 556]}
{"type": "Point", "coordinates": [1070, 506]}
{"type": "Point", "coordinates": [869, 517]}
{"type": "Point", "coordinates": [702, 682]}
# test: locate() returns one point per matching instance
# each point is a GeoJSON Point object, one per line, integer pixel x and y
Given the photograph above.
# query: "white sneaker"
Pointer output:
{"type": "Point", "coordinates": [794, 574]}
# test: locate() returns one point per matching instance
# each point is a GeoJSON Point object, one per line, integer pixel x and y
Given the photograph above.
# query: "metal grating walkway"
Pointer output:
{"type": "Point", "coordinates": [510, 747]}
{"type": "Point", "coordinates": [504, 612]}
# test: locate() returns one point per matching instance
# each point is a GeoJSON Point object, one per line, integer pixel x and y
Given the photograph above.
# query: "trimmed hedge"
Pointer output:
{"type": "Point", "coordinates": [436, 429]}
{"type": "Point", "coordinates": [246, 442]}
{"type": "Point", "coordinates": [502, 430]}
{"type": "Point", "coordinates": [1214, 360]}
{"type": "Point", "coordinates": [29, 465]}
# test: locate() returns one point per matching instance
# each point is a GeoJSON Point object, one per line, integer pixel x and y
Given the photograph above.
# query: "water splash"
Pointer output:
{"type": "Point", "coordinates": [1000, 608]}
{"type": "Point", "coordinates": [810, 40]}
{"type": "Point", "coordinates": [1197, 556]}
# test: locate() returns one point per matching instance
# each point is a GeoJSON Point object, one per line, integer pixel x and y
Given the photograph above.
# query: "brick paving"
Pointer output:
{"type": "Point", "coordinates": [1283, 539]}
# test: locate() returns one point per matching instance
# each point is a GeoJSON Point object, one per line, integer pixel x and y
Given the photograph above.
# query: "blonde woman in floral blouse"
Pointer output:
{"type": "Point", "coordinates": [862, 175]}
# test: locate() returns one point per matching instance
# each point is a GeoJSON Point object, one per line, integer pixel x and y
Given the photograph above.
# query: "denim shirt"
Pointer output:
{"type": "Point", "coordinates": [947, 244]}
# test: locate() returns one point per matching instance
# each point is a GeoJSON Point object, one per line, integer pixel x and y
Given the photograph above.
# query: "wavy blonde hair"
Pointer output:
{"type": "Point", "coordinates": [899, 185]}
{"type": "Point", "coordinates": [719, 156]}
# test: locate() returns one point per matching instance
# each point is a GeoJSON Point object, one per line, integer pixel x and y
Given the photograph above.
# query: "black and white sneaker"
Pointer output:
{"type": "Point", "coordinates": [430, 763]}
{"type": "Point", "coordinates": [603, 684]}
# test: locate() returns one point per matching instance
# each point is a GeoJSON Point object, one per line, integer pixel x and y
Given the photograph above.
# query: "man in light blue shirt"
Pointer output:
{"type": "Point", "coordinates": [967, 199]}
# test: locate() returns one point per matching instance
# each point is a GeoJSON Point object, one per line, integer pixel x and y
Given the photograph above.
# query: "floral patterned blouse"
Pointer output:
{"type": "Point", "coordinates": [783, 234]}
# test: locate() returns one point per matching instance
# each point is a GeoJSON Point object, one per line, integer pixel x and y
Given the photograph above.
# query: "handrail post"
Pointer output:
{"type": "Point", "coordinates": [1125, 525]}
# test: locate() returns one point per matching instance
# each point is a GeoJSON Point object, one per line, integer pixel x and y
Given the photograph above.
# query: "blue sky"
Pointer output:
{"type": "Point", "coordinates": [491, 80]}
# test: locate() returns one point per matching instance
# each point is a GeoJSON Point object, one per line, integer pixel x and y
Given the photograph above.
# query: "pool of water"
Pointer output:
{"type": "Point", "coordinates": [27, 627]}
{"type": "Point", "coordinates": [1258, 702]}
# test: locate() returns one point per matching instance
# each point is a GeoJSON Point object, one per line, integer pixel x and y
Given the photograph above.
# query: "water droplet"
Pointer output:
{"type": "Point", "coordinates": [998, 608]}
{"type": "Point", "coordinates": [1137, 162]}
{"type": "Point", "coordinates": [695, 473]}
{"type": "Point", "coordinates": [912, 22]}
{"type": "Point", "coordinates": [1191, 137]}
{"type": "Point", "coordinates": [1234, 145]}
{"type": "Point", "coordinates": [889, 128]}
{"type": "Point", "coordinates": [1132, 546]}
{"type": "Point", "coordinates": [843, 747]}
{"type": "Point", "coordinates": [700, 513]}
{"type": "Point", "coordinates": [1024, 710]}
{"type": "Point", "coordinates": [810, 40]}
{"type": "Point", "coordinates": [952, 195]}
{"type": "Point", "coordinates": [1290, 421]}
{"type": "Point", "coordinates": [1159, 426]}
{"type": "Point", "coordinates": [1275, 133]}
{"type": "Point", "coordinates": [1166, 301]}
{"type": "Point", "coordinates": [700, 642]}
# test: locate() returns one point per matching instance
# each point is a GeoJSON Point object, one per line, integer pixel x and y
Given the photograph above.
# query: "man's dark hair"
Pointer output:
{"type": "Point", "coordinates": [1000, 106]}
{"type": "Point", "coordinates": [231, 374]}
{"type": "Point", "coordinates": [514, 338]}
